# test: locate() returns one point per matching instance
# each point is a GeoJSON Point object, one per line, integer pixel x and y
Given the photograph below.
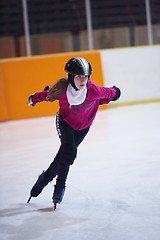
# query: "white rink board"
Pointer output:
{"type": "Point", "coordinates": [135, 70]}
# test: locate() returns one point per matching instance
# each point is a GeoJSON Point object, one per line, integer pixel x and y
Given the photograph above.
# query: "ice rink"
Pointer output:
{"type": "Point", "coordinates": [113, 188]}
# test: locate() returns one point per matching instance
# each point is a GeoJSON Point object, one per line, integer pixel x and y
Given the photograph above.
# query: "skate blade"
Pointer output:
{"type": "Point", "coordinates": [55, 205]}
{"type": "Point", "coordinates": [29, 199]}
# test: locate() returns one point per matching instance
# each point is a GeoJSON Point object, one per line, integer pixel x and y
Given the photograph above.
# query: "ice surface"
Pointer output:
{"type": "Point", "coordinates": [113, 188]}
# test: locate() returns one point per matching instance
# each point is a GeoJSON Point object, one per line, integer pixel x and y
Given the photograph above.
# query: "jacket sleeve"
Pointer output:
{"type": "Point", "coordinates": [98, 92]}
{"type": "Point", "coordinates": [40, 97]}
{"type": "Point", "coordinates": [106, 101]}
{"type": "Point", "coordinates": [103, 101]}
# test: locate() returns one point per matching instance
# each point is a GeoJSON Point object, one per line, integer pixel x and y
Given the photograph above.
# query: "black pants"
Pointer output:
{"type": "Point", "coordinates": [70, 139]}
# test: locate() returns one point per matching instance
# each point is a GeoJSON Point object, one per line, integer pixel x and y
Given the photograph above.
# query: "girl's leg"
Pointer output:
{"type": "Point", "coordinates": [70, 140]}
{"type": "Point", "coordinates": [80, 135]}
{"type": "Point", "coordinates": [51, 172]}
{"type": "Point", "coordinates": [68, 151]}
{"type": "Point", "coordinates": [45, 177]}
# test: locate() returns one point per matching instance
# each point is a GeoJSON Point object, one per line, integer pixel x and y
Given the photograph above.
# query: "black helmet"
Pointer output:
{"type": "Point", "coordinates": [78, 66]}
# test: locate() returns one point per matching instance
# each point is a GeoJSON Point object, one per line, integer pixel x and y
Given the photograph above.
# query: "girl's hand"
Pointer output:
{"type": "Point", "coordinates": [30, 101]}
{"type": "Point", "coordinates": [118, 94]}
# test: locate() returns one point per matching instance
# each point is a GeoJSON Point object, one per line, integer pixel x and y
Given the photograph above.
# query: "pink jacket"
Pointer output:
{"type": "Point", "coordinates": [81, 116]}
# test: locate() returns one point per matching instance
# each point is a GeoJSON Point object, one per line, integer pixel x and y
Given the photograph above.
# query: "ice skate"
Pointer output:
{"type": "Point", "coordinates": [41, 182]}
{"type": "Point", "coordinates": [58, 195]}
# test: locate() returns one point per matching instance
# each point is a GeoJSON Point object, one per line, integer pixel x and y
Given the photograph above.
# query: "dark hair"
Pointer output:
{"type": "Point", "coordinates": [57, 89]}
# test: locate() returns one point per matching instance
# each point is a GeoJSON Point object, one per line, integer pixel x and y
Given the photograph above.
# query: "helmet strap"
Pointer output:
{"type": "Point", "coordinates": [71, 81]}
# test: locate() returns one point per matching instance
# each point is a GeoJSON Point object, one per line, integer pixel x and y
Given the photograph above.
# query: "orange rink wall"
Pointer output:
{"type": "Point", "coordinates": [20, 77]}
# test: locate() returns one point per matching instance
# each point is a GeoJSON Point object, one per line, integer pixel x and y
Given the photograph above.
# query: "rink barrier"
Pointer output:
{"type": "Point", "coordinates": [130, 103]}
{"type": "Point", "coordinates": [135, 70]}
{"type": "Point", "coordinates": [20, 77]}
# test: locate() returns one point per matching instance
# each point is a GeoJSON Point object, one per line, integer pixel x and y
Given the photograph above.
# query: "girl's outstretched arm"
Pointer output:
{"type": "Point", "coordinates": [37, 97]}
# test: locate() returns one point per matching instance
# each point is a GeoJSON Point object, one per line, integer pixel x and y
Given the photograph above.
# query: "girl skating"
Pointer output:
{"type": "Point", "coordinates": [79, 99]}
